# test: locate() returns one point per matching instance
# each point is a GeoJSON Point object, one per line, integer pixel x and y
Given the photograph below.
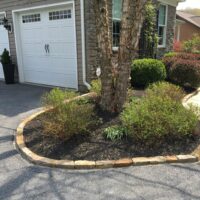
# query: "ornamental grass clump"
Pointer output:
{"type": "Point", "coordinates": [66, 119]}
{"type": "Point", "coordinates": [158, 117]}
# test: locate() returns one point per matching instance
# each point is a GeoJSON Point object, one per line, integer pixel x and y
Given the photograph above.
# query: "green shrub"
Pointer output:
{"type": "Point", "coordinates": [114, 133]}
{"type": "Point", "coordinates": [154, 119]}
{"type": "Point", "coordinates": [193, 45]}
{"type": "Point", "coordinates": [166, 90]}
{"type": "Point", "coordinates": [66, 119]}
{"type": "Point", "coordinates": [96, 86]}
{"type": "Point", "coordinates": [5, 57]}
{"type": "Point", "coordinates": [147, 71]}
{"type": "Point", "coordinates": [185, 73]}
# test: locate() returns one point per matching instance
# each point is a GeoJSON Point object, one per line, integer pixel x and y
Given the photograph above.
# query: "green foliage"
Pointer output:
{"type": "Point", "coordinates": [170, 54]}
{"type": "Point", "coordinates": [66, 119]}
{"type": "Point", "coordinates": [5, 57]}
{"type": "Point", "coordinates": [96, 86]}
{"type": "Point", "coordinates": [114, 133]}
{"type": "Point", "coordinates": [193, 45]}
{"type": "Point", "coordinates": [157, 117]}
{"type": "Point", "coordinates": [147, 71]}
{"type": "Point", "coordinates": [166, 90]}
{"type": "Point", "coordinates": [149, 37]}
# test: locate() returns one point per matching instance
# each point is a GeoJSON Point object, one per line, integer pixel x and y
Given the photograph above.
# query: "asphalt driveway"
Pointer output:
{"type": "Point", "coordinates": [21, 180]}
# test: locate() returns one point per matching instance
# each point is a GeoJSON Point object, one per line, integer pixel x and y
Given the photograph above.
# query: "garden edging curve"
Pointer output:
{"type": "Point", "coordinates": [84, 164]}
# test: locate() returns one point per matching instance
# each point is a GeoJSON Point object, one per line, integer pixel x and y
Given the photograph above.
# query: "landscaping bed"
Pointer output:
{"type": "Point", "coordinates": [94, 146]}
{"type": "Point", "coordinates": [154, 123]}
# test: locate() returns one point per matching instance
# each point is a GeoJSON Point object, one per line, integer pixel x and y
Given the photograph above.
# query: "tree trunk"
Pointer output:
{"type": "Point", "coordinates": [115, 85]}
{"type": "Point", "coordinates": [105, 53]}
{"type": "Point", "coordinates": [132, 20]}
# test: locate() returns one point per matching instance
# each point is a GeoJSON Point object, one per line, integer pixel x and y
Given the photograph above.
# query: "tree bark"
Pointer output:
{"type": "Point", "coordinates": [132, 20]}
{"type": "Point", "coordinates": [105, 53]}
{"type": "Point", "coordinates": [115, 85]}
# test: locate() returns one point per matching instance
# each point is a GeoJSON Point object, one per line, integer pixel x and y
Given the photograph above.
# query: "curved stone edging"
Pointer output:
{"type": "Point", "coordinates": [189, 96]}
{"type": "Point", "coordinates": [84, 164]}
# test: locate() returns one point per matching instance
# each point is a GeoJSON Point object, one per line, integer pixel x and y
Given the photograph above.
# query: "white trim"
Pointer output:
{"type": "Point", "coordinates": [3, 13]}
{"type": "Point", "coordinates": [15, 15]}
{"type": "Point", "coordinates": [83, 45]}
{"type": "Point", "coordinates": [165, 31]}
{"type": "Point", "coordinates": [43, 6]}
{"type": "Point", "coordinates": [173, 3]}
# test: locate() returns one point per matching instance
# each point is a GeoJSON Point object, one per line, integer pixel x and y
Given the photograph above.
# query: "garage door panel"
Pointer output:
{"type": "Point", "coordinates": [60, 34]}
{"type": "Point", "coordinates": [53, 65]}
{"type": "Point", "coordinates": [42, 78]}
{"type": "Point", "coordinates": [32, 35]}
{"type": "Point", "coordinates": [62, 50]}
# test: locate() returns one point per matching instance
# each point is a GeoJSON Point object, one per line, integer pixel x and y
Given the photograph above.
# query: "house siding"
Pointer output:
{"type": "Point", "coordinates": [9, 5]}
{"type": "Point", "coordinates": [184, 33]}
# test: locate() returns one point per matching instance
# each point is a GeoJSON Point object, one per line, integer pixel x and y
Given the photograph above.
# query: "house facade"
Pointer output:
{"type": "Point", "coordinates": [187, 25]}
{"type": "Point", "coordinates": [53, 42]}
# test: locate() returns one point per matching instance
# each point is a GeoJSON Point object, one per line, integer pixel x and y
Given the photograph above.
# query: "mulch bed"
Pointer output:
{"type": "Point", "coordinates": [94, 146]}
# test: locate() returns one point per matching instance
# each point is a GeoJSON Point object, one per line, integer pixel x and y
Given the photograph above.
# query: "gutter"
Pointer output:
{"type": "Point", "coordinates": [83, 45]}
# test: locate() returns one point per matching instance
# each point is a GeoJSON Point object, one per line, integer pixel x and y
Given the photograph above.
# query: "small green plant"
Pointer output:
{"type": "Point", "coordinates": [166, 90]}
{"type": "Point", "coordinates": [170, 54]}
{"type": "Point", "coordinates": [66, 119]}
{"type": "Point", "coordinates": [5, 57]}
{"type": "Point", "coordinates": [96, 86]}
{"type": "Point", "coordinates": [147, 71]}
{"type": "Point", "coordinates": [114, 133]}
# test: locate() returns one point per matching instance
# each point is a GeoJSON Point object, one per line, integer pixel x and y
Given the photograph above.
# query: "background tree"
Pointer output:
{"type": "Point", "coordinates": [115, 79]}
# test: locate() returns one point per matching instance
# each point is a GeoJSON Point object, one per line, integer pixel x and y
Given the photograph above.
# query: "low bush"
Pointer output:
{"type": "Point", "coordinates": [114, 133]}
{"type": "Point", "coordinates": [166, 90]}
{"type": "Point", "coordinates": [66, 119]}
{"type": "Point", "coordinates": [193, 45]}
{"type": "Point", "coordinates": [96, 86]}
{"type": "Point", "coordinates": [155, 118]}
{"type": "Point", "coordinates": [190, 67]}
{"type": "Point", "coordinates": [147, 71]}
{"type": "Point", "coordinates": [185, 73]}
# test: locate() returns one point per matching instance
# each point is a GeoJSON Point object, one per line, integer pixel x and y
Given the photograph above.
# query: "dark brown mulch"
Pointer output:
{"type": "Point", "coordinates": [93, 145]}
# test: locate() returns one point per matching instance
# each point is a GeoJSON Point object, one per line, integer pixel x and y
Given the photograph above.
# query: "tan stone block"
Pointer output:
{"type": "Point", "coordinates": [84, 164]}
{"type": "Point", "coordinates": [187, 158]}
{"type": "Point", "coordinates": [149, 160]}
{"type": "Point", "coordinates": [171, 159]}
{"type": "Point", "coordinates": [102, 164]}
{"type": "Point", "coordinates": [123, 162]}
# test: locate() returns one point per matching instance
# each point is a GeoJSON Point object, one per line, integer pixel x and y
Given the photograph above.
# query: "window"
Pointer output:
{"type": "Point", "coordinates": [62, 14]}
{"type": "Point", "coordinates": [117, 15]}
{"type": "Point", "coordinates": [162, 25]}
{"type": "Point", "coordinates": [1, 19]}
{"type": "Point", "coordinates": [31, 18]}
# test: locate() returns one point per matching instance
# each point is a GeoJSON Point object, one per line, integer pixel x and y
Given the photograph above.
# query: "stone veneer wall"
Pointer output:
{"type": "Point", "coordinates": [171, 22]}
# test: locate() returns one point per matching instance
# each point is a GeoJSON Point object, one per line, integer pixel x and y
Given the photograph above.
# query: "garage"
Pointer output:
{"type": "Point", "coordinates": [47, 46]}
{"type": "Point", "coordinates": [4, 42]}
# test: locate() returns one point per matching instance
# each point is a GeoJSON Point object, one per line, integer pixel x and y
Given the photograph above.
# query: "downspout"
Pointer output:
{"type": "Point", "coordinates": [83, 45]}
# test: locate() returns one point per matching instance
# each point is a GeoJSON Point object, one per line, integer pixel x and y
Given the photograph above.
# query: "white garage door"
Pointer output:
{"type": "Point", "coordinates": [4, 43]}
{"type": "Point", "coordinates": [48, 42]}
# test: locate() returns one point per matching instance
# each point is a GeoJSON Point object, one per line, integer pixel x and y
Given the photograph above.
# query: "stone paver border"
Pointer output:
{"type": "Point", "coordinates": [84, 164]}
